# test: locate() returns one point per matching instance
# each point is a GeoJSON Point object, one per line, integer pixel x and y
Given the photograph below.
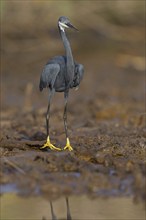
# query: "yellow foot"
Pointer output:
{"type": "Point", "coordinates": [68, 146]}
{"type": "Point", "coordinates": [49, 145]}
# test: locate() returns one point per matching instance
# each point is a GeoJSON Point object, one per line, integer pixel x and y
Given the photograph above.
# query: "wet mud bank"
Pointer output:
{"type": "Point", "coordinates": [108, 159]}
{"type": "Point", "coordinates": [106, 119]}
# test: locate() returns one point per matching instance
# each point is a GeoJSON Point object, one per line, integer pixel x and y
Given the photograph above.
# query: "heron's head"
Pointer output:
{"type": "Point", "coordinates": [64, 22]}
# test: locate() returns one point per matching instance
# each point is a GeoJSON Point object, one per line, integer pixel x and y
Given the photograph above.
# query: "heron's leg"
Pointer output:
{"type": "Point", "coordinates": [48, 143]}
{"type": "Point", "coordinates": [68, 146]}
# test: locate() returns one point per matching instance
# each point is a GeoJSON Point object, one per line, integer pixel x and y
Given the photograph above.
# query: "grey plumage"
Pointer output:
{"type": "Point", "coordinates": [61, 73]}
{"type": "Point", "coordinates": [54, 75]}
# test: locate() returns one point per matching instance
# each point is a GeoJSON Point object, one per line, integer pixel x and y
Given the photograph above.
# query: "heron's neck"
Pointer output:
{"type": "Point", "coordinates": [69, 57]}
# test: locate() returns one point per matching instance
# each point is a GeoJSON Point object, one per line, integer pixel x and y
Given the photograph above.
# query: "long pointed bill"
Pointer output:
{"type": "Point", "coordinates": [71, 26]}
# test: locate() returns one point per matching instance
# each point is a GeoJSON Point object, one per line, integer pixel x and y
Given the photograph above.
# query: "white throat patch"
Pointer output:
{"type": "Point", "coordinates": [62, 26]}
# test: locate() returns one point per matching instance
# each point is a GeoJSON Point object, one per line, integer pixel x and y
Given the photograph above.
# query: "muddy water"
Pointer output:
{"type": "Point", "coordinates": [14, 207]}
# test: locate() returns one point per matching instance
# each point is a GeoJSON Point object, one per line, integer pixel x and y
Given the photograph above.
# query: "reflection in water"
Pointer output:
{"type": "Point", "coordinates": [68, 210]}
{"type": "Point", "coordinates": [81, 207]}
{"type": "Point", "coordinates": [53, 213]}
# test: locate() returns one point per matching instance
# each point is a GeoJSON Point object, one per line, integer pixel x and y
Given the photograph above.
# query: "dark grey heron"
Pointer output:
{"type": "Point", "coordinates": [60, 74]}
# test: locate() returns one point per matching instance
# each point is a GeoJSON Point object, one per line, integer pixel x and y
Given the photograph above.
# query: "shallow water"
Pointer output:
{"type": "Point", "coordinates": [81, 207]}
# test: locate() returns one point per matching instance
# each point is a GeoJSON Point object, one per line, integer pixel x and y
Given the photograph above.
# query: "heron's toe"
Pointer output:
{"type": "Point", "coordinates": [49, 145]}
{"type": "Point", "coordinates": [68, 146]}
{"type": "Point", "coordinates": [52, 147]}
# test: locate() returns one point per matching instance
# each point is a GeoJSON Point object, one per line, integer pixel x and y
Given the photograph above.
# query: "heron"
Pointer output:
{"type": "Point", "coordinates": [60, 74]}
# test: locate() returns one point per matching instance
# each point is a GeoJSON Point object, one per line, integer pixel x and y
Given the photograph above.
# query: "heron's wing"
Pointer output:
{"type": "Point", "coordinates": [49, 75]}
{"type": "Point", "coordinates": [79, 72]}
